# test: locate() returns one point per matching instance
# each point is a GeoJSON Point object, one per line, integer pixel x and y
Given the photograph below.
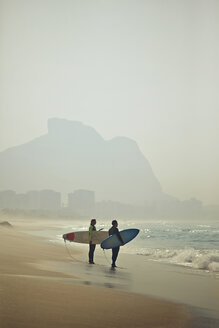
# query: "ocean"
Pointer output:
{"type": "Point", "coordinates": [190, 244]}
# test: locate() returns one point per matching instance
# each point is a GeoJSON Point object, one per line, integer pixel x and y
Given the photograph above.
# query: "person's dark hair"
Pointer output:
{"type": "Point", "coordinates": [92, 221]}
{"type": "Point", "coordinates": [114, 222]}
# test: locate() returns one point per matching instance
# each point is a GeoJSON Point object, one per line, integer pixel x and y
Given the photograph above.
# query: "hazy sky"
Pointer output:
{"type": "Point", "coordinates": [144, 69]}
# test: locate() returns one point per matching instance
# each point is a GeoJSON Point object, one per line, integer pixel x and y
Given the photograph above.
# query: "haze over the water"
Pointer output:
{"type": "Point", "coordinates": [147, 70]}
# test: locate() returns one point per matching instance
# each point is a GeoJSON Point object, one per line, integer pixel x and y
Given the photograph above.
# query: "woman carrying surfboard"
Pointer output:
{"type": "Point", "coordinates": [115, 250]}
{"type": "Point", "coordinates": [91, 245]}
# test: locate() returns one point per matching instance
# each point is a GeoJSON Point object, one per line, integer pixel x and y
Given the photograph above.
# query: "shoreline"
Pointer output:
{"type": "Point", "coordinates": [32, 273]}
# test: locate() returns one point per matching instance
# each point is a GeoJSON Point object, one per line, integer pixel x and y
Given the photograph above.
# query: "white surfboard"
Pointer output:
{"type": "Point", "coordinates": [83, 236]}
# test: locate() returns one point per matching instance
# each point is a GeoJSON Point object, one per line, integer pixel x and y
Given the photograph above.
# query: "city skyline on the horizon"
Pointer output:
{"type": "Point", "coordinates": [82, 203]}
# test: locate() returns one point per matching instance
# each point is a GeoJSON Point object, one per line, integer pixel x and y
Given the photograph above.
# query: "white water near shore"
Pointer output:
{"type": "Point", "coordinates": [194, 245]}
{"type": "Point", "coordinates": [191, 244]}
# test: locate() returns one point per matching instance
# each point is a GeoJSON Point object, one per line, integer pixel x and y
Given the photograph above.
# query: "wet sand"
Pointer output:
{"type": "Point", "coordinates": [41, 286]}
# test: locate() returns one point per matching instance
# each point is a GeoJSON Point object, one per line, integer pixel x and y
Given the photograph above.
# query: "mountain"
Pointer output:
{"type": "Point", "coordinates": [74, 156]}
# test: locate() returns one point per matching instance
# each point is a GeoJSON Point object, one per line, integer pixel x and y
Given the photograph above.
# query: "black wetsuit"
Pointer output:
{"type": "Point", "coordinates": [115, 251]}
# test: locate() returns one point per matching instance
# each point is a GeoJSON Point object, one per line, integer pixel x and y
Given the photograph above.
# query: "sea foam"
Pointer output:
{"type": "Point", "coordinates": [198, 259]}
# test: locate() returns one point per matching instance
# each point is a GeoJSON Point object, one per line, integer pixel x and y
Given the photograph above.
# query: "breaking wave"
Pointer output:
{"type": "Point", "coordinates": [198, 259]}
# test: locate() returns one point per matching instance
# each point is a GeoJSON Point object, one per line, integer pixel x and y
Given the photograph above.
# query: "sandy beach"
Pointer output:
{"type": "Point", "coordinates": [41, 286]}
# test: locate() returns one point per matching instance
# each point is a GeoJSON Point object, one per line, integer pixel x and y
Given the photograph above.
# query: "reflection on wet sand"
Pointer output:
{"type": "Point", "coordinates": [101, 275]}
{"type": "Point", "coordinates": [97, 274]}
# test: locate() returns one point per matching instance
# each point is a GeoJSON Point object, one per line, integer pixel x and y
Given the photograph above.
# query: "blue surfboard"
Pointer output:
{"type": "Point", "coordinates": [113, 241]}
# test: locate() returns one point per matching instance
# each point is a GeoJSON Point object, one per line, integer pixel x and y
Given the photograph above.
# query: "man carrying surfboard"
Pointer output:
{"type": "Point", "coordinates": [91, 245]}
{"type": "Point", "coordinates": [115, 251]}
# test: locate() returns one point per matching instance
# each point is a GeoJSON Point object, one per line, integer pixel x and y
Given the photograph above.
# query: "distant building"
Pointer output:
{"type": "Point", "coordinates": [21, 201]}
{"type": "Point", "coordinates": [33, 199]}
{"type": "Point", "coordinates": [82, 201]}
{"type": "Point", "coordinates": [50, 200]}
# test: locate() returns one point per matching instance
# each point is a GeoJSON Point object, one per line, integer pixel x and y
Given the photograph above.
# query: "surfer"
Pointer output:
{"type": "Point", "coordinates": [91, 245]}
{"type": "Point", "coordinates": [115, 251]}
